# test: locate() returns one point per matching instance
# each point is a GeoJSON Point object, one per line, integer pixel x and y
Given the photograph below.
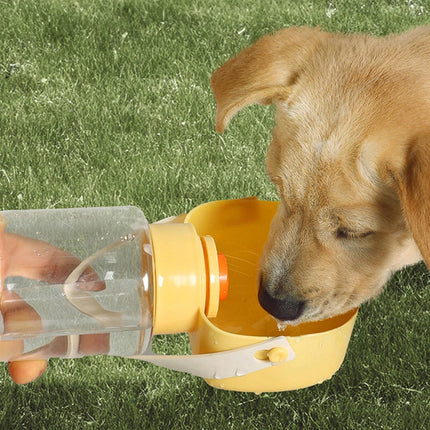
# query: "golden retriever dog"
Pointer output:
{"type": "Point", "coordinates": [350, 157]}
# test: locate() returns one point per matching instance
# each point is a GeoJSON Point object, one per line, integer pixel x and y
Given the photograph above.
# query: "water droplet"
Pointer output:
{"type": "Point", "coordinates": [282, 325]}
{"type": "Point", "coordinates": [147, 248]}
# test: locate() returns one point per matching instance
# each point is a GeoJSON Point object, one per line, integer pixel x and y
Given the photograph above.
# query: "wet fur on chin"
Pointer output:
{"type": "Point", "coordinates": [350, 157]}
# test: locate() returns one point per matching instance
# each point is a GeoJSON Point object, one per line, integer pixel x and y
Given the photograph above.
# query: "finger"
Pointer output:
{"type": "Point", "coordinates": [23, 372]}
{"type": "Point", "coordinates": [90, 281]}
{"type": "Point", "coordinates": [11, 349]}
{"type": "Point", "coordinates": [35, 259]}
{"type": "Point", "coordinates": [92, 344]}
{"type": "Point", "coordinates": [18, 316]}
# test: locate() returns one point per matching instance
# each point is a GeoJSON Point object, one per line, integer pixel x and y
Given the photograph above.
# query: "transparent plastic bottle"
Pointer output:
{"type": "Point", "coordinates": [78, 282]}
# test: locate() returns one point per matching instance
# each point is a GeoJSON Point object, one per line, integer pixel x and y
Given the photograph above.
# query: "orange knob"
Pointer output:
{"type": "Point", "coordinates": [223, 277]}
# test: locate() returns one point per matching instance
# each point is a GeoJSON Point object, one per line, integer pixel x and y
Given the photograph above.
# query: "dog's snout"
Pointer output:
{"type": "Point", "coordinates": [284, 308]}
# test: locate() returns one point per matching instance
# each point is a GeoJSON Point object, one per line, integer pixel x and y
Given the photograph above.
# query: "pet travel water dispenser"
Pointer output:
{"type": "Point", "coordinates": [73, 272]}
{"type": "Point", "coordinates": [104, 277]}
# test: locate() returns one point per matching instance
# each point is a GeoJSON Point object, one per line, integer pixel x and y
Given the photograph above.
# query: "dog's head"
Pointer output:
{"type": "Point", "coordinates": [350, 158]}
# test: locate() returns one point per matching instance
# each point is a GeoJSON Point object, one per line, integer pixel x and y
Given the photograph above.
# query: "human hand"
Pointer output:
{"type": "Point", "coordinates": [18, 258]}
{"type": "Point", "coordinates": [21, 372]}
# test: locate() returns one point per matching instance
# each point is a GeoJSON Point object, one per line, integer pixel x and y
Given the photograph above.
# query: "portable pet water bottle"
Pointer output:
{"type": "Point", "coordinates": [78, 282]}
{"type": "Point", "coordinates": [95, 271]}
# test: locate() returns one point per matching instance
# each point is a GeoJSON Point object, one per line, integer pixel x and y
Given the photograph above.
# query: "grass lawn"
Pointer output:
{"type": "Point", "coordinates": [108, 103]}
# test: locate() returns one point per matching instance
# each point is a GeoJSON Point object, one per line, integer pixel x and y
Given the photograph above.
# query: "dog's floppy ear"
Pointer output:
{"type": "Point", "coordinates": [414, 191]}
{"type": "Point", "coordinates": [262, 72]}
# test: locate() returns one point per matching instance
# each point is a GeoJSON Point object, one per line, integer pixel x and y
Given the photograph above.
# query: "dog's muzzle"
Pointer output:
{"type": "Point", "coordinates": [285, 308]}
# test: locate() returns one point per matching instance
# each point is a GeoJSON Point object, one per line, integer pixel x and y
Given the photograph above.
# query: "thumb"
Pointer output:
{"type": "Point", "coordinates": [25, 371]}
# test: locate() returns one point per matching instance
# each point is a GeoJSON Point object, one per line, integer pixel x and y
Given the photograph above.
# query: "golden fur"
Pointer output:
{"type": "Point", "coordinates": [350, 158]}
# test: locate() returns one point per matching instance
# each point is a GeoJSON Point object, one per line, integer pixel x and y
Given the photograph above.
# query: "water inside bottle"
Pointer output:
{"type": "Point", "coordinates": [76, 282]}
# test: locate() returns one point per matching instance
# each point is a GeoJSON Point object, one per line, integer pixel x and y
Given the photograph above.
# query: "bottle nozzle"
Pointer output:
{"type": "Point", "coordinates": [223, 276]}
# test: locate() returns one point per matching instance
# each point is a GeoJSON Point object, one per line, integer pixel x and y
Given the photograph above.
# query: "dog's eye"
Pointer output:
{"type": "Point", "coordinates": [343, 233]}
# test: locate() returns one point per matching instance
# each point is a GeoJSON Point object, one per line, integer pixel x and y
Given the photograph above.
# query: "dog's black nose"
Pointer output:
{"type": "Point", "coordinates": [286, 308]}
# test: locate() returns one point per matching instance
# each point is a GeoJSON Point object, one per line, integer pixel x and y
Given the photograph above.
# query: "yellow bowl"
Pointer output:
{"type": "Point", "coordinates": [240, 228]}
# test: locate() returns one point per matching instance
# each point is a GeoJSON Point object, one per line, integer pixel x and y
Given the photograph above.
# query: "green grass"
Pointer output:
{"type": "Point", "coordinates": [109, 103]}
